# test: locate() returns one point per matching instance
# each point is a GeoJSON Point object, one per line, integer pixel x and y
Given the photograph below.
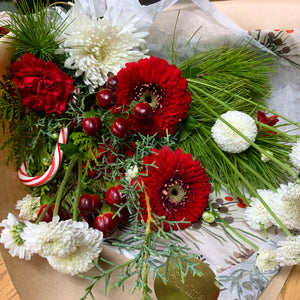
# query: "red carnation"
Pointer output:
{"type": "Point", "coordinates": [42, 85]}
{"type": "Point", "coordinates": [271, 121]}
{"type": "Point", "coordinates": [178, 188]}
{"type": "Point", "coordinates": [154, 81]}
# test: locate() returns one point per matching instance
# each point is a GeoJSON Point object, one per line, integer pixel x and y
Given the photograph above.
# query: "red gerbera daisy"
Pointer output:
{"type": "Point", "coordinates": [178, 188]}
{"type": "Point", "coordinates": [154, 81]}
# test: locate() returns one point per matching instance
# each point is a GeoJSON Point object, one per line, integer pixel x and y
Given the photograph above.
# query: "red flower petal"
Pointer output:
{"type": "Point", "coordinates": [42, 85]}
{"type": "Point", "coordinates": [178, 188]}
{"type": "Point", "coordinates": [155, 81]}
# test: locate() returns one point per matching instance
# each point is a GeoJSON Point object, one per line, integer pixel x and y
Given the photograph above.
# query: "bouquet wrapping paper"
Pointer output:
{"type": "Point", "coordinates": [213, 244]}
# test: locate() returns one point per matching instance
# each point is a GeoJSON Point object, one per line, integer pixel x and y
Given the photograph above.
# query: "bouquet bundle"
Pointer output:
{"type": "Point", "coordinates": [113, 141]}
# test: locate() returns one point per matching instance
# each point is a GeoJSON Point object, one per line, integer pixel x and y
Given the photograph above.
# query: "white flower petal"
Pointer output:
{"type": "Point", "coordinates": [227, 139]}
{"type": "Point", "coordinates": [57, 238]}
{"type": "Point", "coordinates": [295, 155]}
{"type": "Point", "coordinates": [29, 207]}
{"type": "Point", "coordinates": [10, 237]}
{"type": "Point", "coordinates": [256, 213]}
{"type": "Point", "coordinates": [288, 254]}
{"type": "Point", "coordinates": [80, 260]}
{"type": "Point", "coordinates": [99, 46]}
{"type": "Point", "coordinates": [285, 203]}
{"type": "Point", "coordinates": [266, 260]}
{"type": "Point", "coordinates": [131, 173]}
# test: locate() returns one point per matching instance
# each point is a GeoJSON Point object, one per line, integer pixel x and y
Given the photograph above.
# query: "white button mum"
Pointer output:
{"type": "Point", "coordinates": [266, 260]}
{"type": "Point", "coordinates": [131, 173]}
{"type": "Point", "coordinates": [256, 214]}
{"type": "Point", "coordinates": [265, 158]}
{"type": "Point", "coordinates": [57, 238]}
{"type": "Point", "coordinates": [29, 207]}
{"type": "Point", "coordinates": [98, 46]}
{"type": "Point", "coordinates": [10, 237]}
{"type": "Point", "coordinates": [290, 192]}
{"type": "Point", "coordinates": [227, 139]}
{"type": "Point", "coordinates": [80, 260]}
{"type": "Point", "coordinates": [288, 254]}
{"type": "Point", "coordinates": [285, 203]}
{"type": "Point", "coordinates": [295, 155]}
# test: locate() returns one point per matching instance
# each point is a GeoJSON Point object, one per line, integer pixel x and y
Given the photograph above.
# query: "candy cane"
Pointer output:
{"type": "Point", "coordinates": [52, 170]}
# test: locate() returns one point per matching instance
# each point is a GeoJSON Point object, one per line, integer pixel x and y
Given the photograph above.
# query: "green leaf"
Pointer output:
{"type": "Point", "coordinates": [88, 114]}
{"type": "Point", "coordinates": [69, 149]}
{"type": "Point", "coordinates": [191, 123]}
{"type": "Point", "coordinates": [132, 105]}
{"type": "Point", "coordinates": [44, 200]}
{"type": "Point", "coordinates": [184, 134]}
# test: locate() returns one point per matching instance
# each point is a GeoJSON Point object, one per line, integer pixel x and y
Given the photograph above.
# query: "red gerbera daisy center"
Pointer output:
{"type": "Point", "coordinates": [149, 93]}
{"type": "Point", "coordinates": [175, 193]}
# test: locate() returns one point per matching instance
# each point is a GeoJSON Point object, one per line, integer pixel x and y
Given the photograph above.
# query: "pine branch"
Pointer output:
{"type": "Point", "coordinates": [36, 32]}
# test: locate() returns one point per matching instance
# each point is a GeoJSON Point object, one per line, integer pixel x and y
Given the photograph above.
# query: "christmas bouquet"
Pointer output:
{"type": "Point", "coordinates": [122, 146]}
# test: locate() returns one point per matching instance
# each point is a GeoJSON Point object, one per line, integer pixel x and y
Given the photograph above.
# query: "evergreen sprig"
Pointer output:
{"type": "Point", "coordinates": [21, 123]}
{"type": "Point", "coordinates": [153, 248]}
{"type": "Point", "coordinates": [222, 167]}
{"type": "Point", "coordinates": [36, 31]}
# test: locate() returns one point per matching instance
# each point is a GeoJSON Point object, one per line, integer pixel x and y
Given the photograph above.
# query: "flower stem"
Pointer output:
{"type": "Point", "coordinates": [78, 190]}
{"type": "Point", "coordinates": [232, 229]}
{"type": "Point", "coordinates": [250, 188]}
{"type": "Point", "coordinates": [282, 165]}
{"type": "Point", "coordinates": [64, 182]}
{"type": "Point", "coordinates": [194, 83]}
{"type": "Point", "coordinates": [45, 211]}
{"type": "Point", "coordinates": [147, 233]}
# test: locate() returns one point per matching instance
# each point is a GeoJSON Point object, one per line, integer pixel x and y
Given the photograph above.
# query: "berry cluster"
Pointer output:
{"type": "Point", "coordinates": [101, 213]}
{"type": "Point", "coordinates": [98, 213]}
{"type": "Point", "coordinates": [107, 99]}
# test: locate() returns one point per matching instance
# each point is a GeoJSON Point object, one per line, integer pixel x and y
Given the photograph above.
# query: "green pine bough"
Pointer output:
{"type": "Point", "coordinates": [236, 80]}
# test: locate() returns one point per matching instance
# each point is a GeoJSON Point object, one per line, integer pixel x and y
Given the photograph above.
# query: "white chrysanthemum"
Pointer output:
{"type": "Point", "coordinates": [285, 203]}
{"type": "Point", "coordinates": [295, 155]}
{"type": "Point", "coordinates": [29, 207]}
{"type": "Point", "coordinates": [57, 238]}
{"type": "Point", "coordinates": [99, 46]}
{"type": "Point", "coordinates": [266, 260]}
{"type": "Point", "coordinates": [227, 139]}
{"type": "Point", "coordinates": [286, 206]}
{"type": "Point", "coordinates": [288, 213]}
{"type": "Point", "coordinates": [256, 214]}
{"type": "Point", "coordinates": [131, 173]}
{"type": "Point", "coordinates": [290, 192]}
{"type": "Point", "coordinates": [264, 157]}
{"type": "Point", "coordinates": [10, 237]}
{"type": "Point", "coordinates": [288, 254]}
{"type": "Point", "coordinates": [81, 260]}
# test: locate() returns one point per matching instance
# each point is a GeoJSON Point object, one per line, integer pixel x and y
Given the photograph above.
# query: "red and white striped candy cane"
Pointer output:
{"type": "Point", "coordinates": [52, 170]}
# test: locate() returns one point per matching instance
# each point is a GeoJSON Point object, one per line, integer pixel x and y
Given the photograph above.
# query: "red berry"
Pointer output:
{"type": "Point", "coordinates": [89, 204]}
{"type": "Point", "coordinates": [124, 216]}
{"type": "Point", "coordinates": [106, 98]}
{"type": "Point", "coordinates": [113, 195]}
{"type": "Point", "coordinates": [3, 31]}
{"type": "Point", "coordinates": [106, 223]}
{"type": "Point", "coordinates": [120, 128]}
{"type": "Point", "coordinates": [91, 126]}
{"type": "Point", "coordinates": [49, 214]}
{"type": "Point", "coordinates": [143, 111]}
{"type": "Point", "coordinates": [112, 82]}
